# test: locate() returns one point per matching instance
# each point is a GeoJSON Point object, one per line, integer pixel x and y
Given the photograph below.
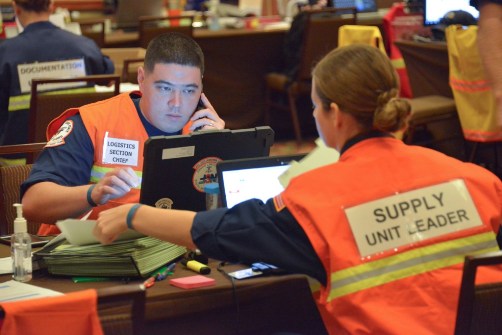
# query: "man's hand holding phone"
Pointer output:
{"type": "Point", "coordinates": [205, 117]}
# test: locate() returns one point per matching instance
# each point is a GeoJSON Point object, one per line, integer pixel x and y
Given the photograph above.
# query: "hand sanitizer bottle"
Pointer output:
{"type": "Point", "coordinates": [20, 246]}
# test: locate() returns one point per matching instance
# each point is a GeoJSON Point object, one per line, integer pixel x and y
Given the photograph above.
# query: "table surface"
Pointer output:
{"type": "Point", "coordinates": [253, 306]}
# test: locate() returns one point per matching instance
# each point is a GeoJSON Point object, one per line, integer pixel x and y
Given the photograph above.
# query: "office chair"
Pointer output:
{"type": "Point", "coordinates": [121, 309]}
{"type": "Point", "coordinates": [151, 26]}
{"type": "Point", "coordinates": [95, 30]}
{"type": "Point", "coordinates": [370, 35]}
{"type": "Point", "coordinates": [320, 36]}
{"type": "Point", "coordinates": [11, 178]}
{"type": "Point", "coordinates": [474, 97]}
{"type": "Point", "coordinates": [45, 106]}
{"type": "Point", "coordinates": [130, 70]}
{"type": "Point", "coordinates": [479, 305]}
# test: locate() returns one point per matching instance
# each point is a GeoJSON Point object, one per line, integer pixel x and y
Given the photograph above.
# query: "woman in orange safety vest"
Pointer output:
{"type": "Point", "coordinates": [384, 230]}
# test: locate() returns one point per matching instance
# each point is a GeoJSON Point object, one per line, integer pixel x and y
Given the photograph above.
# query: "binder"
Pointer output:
{"type": "Point", "coordinates": [131, 258]}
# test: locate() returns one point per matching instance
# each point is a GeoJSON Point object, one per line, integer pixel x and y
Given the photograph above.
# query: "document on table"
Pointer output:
{"type": "Point", "coordinates": [12, 290]}
{"type": "Point", "coordinates": [5, 265]}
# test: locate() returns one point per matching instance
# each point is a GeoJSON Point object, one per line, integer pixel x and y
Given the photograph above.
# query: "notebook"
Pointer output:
{"type": "Point", "coordinates": [244, 179]}
{"type": "Point", "coordinates": [176, 168]}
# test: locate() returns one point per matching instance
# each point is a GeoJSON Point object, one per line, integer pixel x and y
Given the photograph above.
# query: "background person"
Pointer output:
{"type": "Point", "coordinates": [331, 222]}
{"type": "Point", "coordinates": [490, 45]}
{"type": "Point", "coordinates": [40, 41]}
{"type": "Point", "coordinates": [96, 153]}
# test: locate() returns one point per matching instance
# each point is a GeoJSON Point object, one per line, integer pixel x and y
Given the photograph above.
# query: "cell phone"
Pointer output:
{"type": "Point", "coordinates": [36, 241]}
{"type": "Point", "coordinates": [246, 273]}
{"type": "Point", "coordinates": [200, 105]}
{"type": "Point", "coordinates": [266, 268]}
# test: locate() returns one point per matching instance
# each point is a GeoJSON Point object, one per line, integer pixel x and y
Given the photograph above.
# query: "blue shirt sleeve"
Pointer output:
{"type": "Point", "coordinates": [253, 231]}
{"type": "Point", "coordinates": [68, 164]}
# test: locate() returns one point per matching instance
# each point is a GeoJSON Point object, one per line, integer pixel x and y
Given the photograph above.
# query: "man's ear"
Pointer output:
{"type": "Point", "coordinates": [141, 75]}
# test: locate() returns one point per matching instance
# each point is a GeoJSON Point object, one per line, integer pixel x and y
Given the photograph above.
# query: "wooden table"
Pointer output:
{"type": "Point", "coordinates": [254, 306]}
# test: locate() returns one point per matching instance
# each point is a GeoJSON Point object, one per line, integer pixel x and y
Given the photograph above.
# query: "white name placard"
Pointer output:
{"type": "Point", "coordinates": [57, 69]}
{"type": "Point", "coordinates": [408, 217]}
{"type": "Point", "coordinates": [120, 151]}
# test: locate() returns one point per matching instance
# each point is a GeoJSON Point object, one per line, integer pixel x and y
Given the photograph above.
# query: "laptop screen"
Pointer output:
{"type": "Point", "coordinates": [362, 6]}
{"type": "Point", "coordinates": [256, 178]}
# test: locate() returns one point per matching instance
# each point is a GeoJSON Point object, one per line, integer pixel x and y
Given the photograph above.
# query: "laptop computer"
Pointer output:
{"type": "Point", "coordinates": [362, 6]}
{"type": "Point", "coordinates": [176, 168]}
{"type": "Point", "coordinates": [244, 179]}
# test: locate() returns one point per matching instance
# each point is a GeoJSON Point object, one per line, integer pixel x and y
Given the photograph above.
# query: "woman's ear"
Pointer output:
{"type": "Point", "coordinates": [334, 113]}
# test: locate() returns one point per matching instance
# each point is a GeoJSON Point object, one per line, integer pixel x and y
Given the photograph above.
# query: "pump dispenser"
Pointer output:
{"type": "Point", "coordinates": [21, 248]}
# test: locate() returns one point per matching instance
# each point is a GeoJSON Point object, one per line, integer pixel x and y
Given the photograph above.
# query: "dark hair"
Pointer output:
{"type": "Point", "coordinates": [361, 80]}
{"type": "Point", "coordinates": [34, 5]}
{"type": "Point", "coordinates": [174, 48]}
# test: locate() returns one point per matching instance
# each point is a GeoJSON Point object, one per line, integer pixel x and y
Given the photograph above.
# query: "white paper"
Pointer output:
{"type": "Point", "coordinates": [5, 265]}
{"type": "Point", "coordinates": [12, 291]}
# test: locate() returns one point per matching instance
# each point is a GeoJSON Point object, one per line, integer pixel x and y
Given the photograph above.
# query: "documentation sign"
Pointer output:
{"type": "Point", "coordinates": [57, 69]}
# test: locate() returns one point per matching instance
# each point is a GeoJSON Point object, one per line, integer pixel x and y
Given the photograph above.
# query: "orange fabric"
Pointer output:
{"type": "Point", "coordinates": [395, 31]}
{"type": "Point", "coordinates": [73, 313]}
{"type": "Point", "coordinates": [101, 120]}
{"type": "Point", "coordinates": [318, 200]}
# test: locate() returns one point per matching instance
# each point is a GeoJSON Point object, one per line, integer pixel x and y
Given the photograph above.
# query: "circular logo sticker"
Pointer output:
{"type": "Point", "coordinates": [205, 172]}
{"type": "Point", "coordinates": [164, 203]}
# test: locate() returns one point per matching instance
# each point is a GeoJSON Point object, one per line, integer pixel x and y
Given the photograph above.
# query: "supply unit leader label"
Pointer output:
{"type": "Point", "coordinates": [412, 216]}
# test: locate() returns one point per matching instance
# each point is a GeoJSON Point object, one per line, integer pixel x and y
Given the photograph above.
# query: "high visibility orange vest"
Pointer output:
{"type": "Point", "coordinates": [410, 287]}
{"type": "Point", "coordinates": [396, 24]}
{"type": "Point", "coordinates": [114, 118]}
{"type": "Point", "coordinates": [471, 90]}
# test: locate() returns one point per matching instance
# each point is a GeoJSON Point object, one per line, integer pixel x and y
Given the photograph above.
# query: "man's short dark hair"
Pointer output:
{"type": "Point", "coordinates": [34, 5]}
{"type": "Point", "coordinates": [175, 48]}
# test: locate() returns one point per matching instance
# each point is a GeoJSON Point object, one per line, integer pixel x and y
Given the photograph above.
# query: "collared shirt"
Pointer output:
{"type": "Point", "coordinates": [39, 42]}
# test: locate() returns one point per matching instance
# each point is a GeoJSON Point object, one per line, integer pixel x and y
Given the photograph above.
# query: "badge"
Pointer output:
{"type": "Point", "coordinates": [164, 203]}
{"type": "Point", "coordinates": [205, 172]}
{"type": "Point", "coordinates": [58, 138]}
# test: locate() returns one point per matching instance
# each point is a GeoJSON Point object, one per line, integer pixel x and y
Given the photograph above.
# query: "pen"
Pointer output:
{"type": "Point", "coordinates": [90, 279]}
{"type": "Point", "coordinates": [166, 272]}
{"type": "Point", "coordinates": [149, 282]}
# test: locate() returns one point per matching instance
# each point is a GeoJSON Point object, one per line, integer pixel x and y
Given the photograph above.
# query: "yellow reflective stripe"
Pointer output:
{"type": "Point", "coordinates": [9, 162]}
{"type": "Point", "coordinates": [19, 102]}
{"type": "Point", "coordinates": [409, 263]}
{"type": "Point", "coordinates": [22, 102]}
{"type": "Point", "coordinates": [98, 172]}
{"type": "Point", "coordinates": [398, 63]}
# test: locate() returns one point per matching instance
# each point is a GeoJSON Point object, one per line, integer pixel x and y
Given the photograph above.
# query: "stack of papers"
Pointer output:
{"type": "Point", "coordinates": [132, 258]}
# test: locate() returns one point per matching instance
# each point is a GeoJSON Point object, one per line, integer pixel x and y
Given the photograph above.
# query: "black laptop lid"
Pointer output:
{"type": "Point", "coordinates": [253, 178]}
{"type": "Point", "coordinates": [176, 168]}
